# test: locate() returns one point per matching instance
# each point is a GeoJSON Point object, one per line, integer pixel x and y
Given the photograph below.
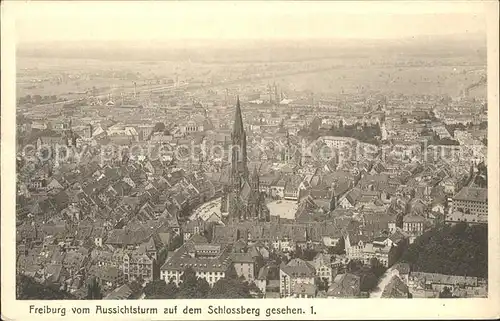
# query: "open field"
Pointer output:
{"type": "Point", "coordinates": [437, 80]}
{"type": "Point", "coordinates": [425, 67]}
{"type": "Point", "coordinates": [449, 80]}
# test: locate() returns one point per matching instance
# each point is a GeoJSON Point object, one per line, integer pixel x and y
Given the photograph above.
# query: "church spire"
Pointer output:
{"type": "Point", "coordinates": [255, 179]}
{"type": "Point", "coordinates": [238, 119]}
{"type": "Point", "coordinates": [255, 172]}
{"type": "Point", "coordinates": [239, 169]}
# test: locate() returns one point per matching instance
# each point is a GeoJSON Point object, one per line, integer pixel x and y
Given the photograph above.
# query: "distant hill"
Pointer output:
{"type": "Point", "coordinates": [258, 51]}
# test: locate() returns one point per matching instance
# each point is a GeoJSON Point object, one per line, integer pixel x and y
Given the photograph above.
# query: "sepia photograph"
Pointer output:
{"type": "Point", "coordinates": [248, 150]}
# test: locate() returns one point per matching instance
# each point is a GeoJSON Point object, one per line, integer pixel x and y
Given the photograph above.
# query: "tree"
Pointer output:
{"type": "Point", "coordinates": [188, 278]}
{"type": "Point", "coordinates": [230, 286]}
{"type": "Point", "coordinates": [227, 288]}
{"type": "Point", "coordinates": [94, 290]}
{"type": "Point", "coordinates": [203, 287]}
{"type": "Point", "coordinates": [259, 262]}
{"type": "Point", "coordinates": [208, 231]}
{"type": "Point", "coordinates": [231, 273]}
{"type": "Point", "coordinates": [162, 256]}
{"type": "Point", "coordinates": [176, 242]}
{"type": "Point", "coordinates": [368, 281]}
{"type": "Point", "coordinates": [186, 210]}
{"type": "Point", "coordinates": [338, 248]}
{"type": "Point", "coordinates": [322, 284]}
{"type": "Point", "coordinates": [439, 249]}
{"type": "Point", "coordinates": [298, 253]}
{"type": "Point", "coordinates": [481, 168]}
{"type": "Point", "coordinates": [369, 275]}
{"type": "Point", "coordinates": [156, 289]}
{"type": "Point", "coordinates": [159, 127]}
{"type": "Point", "coordinates": [188, 288]}
{"type": "Point", "coordinates": [377, 268]}
{"type": "Point", "coordinates": [171, 290]}
{"type": "Point", "coordinates": [481, 179]}
{"type": "Point", "coordinates": [309, 254]}
{"type": "Point", "coordinates": [354, 265]}
{"type": "Point", "coordinates": [446, 293]}
{"type": "Point", "coordinates": [37, 99]}
{"type": "Point", "coordinates": [399, 218]}
{"type": "Point", "coordinates": [29, 289]}
{"type": "Point", "coordinates": [277, 258]}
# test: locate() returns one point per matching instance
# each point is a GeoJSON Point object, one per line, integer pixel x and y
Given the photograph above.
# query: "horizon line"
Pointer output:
{"type": "Point", "coordinates": [475, 34]}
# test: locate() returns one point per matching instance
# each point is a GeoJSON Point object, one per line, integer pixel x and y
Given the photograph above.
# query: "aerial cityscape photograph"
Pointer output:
{"type": "Point", "coordinates": [251, 153]}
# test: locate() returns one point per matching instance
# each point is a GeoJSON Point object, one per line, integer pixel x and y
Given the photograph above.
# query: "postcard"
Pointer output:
{"type": "Point", "coordinates": [224, 160]}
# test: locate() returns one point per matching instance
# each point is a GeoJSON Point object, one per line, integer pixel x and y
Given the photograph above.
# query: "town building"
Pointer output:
{"type": "Point", "coordinates": [470, 205]}
{"type": "Point", "coordinates": [423, 284]}
{"type": "Point", "coordinates": [209, 261]}
{"type": "Point", "coordinates": [396, 289]}
{"type": "Point", "coordinates": [323, 266]}
{"type": "Point", "coordinates": [413, 224]}
{"type": "Point", "coordinates": [344, 286]}
{"type": "Point", "coordinates": [108, 276]}
{"type": "Point", "coordinates": [244, 264]}
{"type": "Point", "coordinates": [138, 266]}
{"type": "Point", "coordinates": [294, 275]}
{"type": "Point", "coordinates": [386, 249]}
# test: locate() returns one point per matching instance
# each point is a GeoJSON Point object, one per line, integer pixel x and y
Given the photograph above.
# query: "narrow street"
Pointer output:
{"type": "Point", "coordinates": [384, 280]}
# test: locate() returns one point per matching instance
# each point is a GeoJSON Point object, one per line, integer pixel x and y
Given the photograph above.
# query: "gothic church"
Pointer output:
{"type": "Point", "coordinates": [242, 200]}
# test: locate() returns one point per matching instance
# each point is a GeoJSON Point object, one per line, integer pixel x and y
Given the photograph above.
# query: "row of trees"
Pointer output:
{"type": "Point", "coordinates": [38, 99]}
{"type": "Point", "coordinates": [229, 287]}
{"type": "Point", "coordinates": [363, 132]}
{"type": "Point", "coordinates": [452, 127]}
{"type": "Point", "coordinates": [436, 140]}
{"type": "Point", "coordinates": [306, 254]}
{"type": "Point", "coordinates": [28, 288]}
{"type": "Point", "coordinates": [461, 249]}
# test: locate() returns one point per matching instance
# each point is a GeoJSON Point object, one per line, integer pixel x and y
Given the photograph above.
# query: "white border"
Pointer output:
{"type": "Point", "coordinates": [326, 309]}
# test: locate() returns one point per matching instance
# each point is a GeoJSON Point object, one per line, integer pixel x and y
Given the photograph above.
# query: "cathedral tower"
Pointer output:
{"type": "Point", "coordinates": [239, 169]}
{"type": "Point", "coordinates": [255, 181]}
{"type": "Point", "coordinates": [242, 200]}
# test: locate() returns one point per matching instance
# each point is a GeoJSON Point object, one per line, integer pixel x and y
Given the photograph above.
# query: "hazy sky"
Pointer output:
{"type": "Point", "coordinates": [93, 20]}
